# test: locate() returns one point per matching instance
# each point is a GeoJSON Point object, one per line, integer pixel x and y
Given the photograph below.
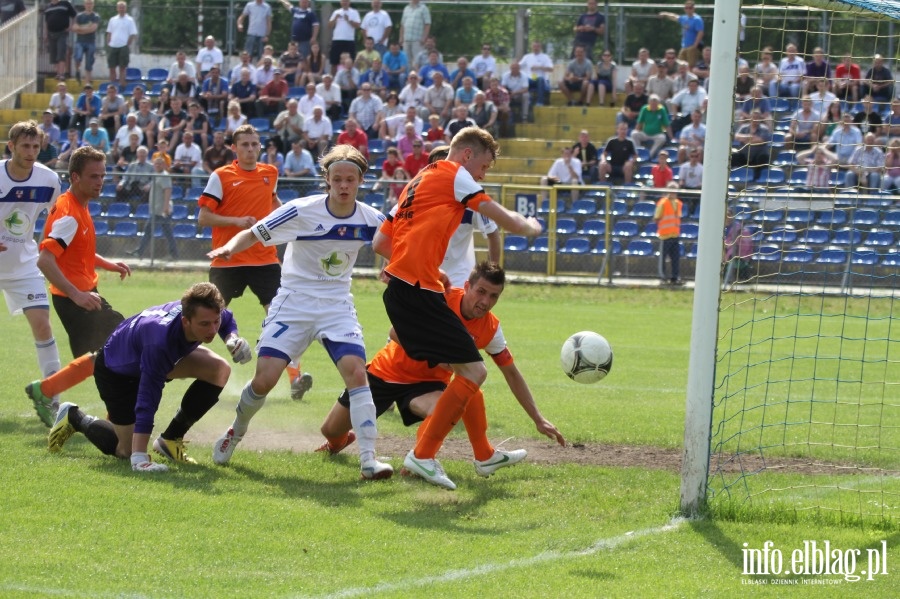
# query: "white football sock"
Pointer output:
{"type": "Point", "coordinates": [362, 417]}
{"type": "Point", "coordinates": [247, 407]}
{"type": "Point", "coordinates": [48, 356]}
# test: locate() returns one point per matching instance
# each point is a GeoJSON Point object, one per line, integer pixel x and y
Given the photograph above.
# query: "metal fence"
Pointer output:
{"type": "Point", "coordinates": [18, 52]}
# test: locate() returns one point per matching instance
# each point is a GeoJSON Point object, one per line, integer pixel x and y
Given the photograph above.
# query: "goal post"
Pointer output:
{"type": "Point", "coordinates": [792, 402]}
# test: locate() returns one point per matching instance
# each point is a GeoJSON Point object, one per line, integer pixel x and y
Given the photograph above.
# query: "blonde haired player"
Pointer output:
{"type": "Point", "coordinates": [314, 303]}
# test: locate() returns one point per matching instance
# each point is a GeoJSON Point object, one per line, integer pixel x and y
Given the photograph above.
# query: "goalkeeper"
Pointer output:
{"type": "Point", "coordinates": [143, 353]}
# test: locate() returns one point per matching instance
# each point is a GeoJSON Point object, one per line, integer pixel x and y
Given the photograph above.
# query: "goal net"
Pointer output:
{"type": "Point", "coordinates": [804, 420]}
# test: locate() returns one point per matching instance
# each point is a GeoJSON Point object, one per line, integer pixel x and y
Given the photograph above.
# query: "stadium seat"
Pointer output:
{"type": "Point", "coordinates": [642, 210]}
{"type": "Point", "coordinates": [847, 236]}
{"type": "Point", "coordinates": [101, 227]}
{"type": "Point", "coordinates": [640, 247]}
{"type": "Point", "coordinates": [298, 92]}
{"type": "Point", "coordinates": [108, 191]}
{"type": "Point", "coordinates": [374, 199]}
{"type": "Point", "coordinates": [643, 154]}
{"type": "Point", "coordinates": [142, 212]}
{"type": "Point", "coordinates": [156, 75]}
{"type": "Point", "coordinates": [619, 207]}
{"type": "Point", "coordinates": [541, 244]}
{"type": "Point", "coordinates": [125, 229]}
{"type": "Point", "coordinates": [133, 74]}
{"type": "Point", "coordinates": [785, 234]}
{"type": "Point", "coordinates": [780, 105]}
{"type": "Point", "coordinates": [576, 245]}
{"type": "Point", "coordinates": [799, 255]}
{"type": "Point", "coordinates": [128, 90]}
{"type": "Point", "coordinates": [515, 243]}
{"type": "Point", "coordinates": [767, 253]}
{"type": "Point", "coordinates": [101, 89]}
{"type": "Point", "coordinates": [891, 259]}
{"type": "Point", "coordinates": [644, 171]}
{"type": "Point", "coordinates": [625, 228]}
{"type": "Point", "coordinates": [184, 231]}
{"type": "Point", "coordinates": [193, 194]}
{"type": "Point", "coordinates": [837, 178]}
{"type": "Point", "coordinates": [769, 216]}
{"type": "Point", "coordinates": [690, 231]}
{"type": "Point", "coordinates": [864, 257]}
{"type": "Point", "coordinates": [649, 230]}
{"type": "Point", "coordinates": [785, 158]}
{"type": "Point", "coordinates": [593, 227]}
{"type": "Point", "coordinates": [260, 124]}
{"type": "Point", "coordinates": [771, 176]}
{"type": "Point", "coordinates": [741, 175]}
{"type": "Point", "coordinates": [832, 256]}
{"type": "Point", "coordinates": [177, 193]}
{"type": "Point", "coordinates": [798, 176]}
{"type": "Point", "coordinates": [179, 212]}
{"type": "Point", "coordinates": [891, 219]}
{"type": "Point", "coordinates": [584, 206]}
{"type": "Point", "coordinates": [544, 207]}
{"type": "Point", "coordinates": [615, 245]}
{"type": "Point", "coordinates": [286, 194]}
{"type": "Point", "coordinates": [205, 233]}
{"type": "Point", "coordinates": [377, 145]}
{"type": "Point", "coordinates": [865, 217]}
{"type": "Point", "coordinates": [689, 250]}
{"type": "Point", "coordinates": [118, 210]}
{"type": "Point", "coordinates": [831, 217]}
{"type": "Point", "coordinates": [95, 208]}
{"type": "Point", "coordinates": [815, 236]}
{"type": "Point", "coordinates": [798, 217]}
{"type": "Point", "coordinates": [566, 226]}
{"type": "Point", "coordinates": [879, 239]}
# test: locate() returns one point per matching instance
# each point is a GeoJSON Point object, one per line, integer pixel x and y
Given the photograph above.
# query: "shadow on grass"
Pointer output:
{"type": "Point", "coordinates": [593, 574]}
{"type": "Point", "coordinates": [729, 548]}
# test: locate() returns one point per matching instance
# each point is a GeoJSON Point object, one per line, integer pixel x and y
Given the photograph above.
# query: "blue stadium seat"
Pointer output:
{"type": "Point", "coordinates": [118, 210]}
{"type": "Point", "coordinates": [193, 194]}
{"type": "Point", "coordinates": [689, 250]}
{"type": "Point", "coordinates": [298, 92]}
{"type": "Point", "coordinates": [156, 75]}
{"type": "Point", "coordinates": [865, 217]}
{"type": "Point", "coordinates": [832, 256]}
{"type": "Point", "coordinates": [177, 193]}
{"type": "Point", "coordinates": [798, 217]}
{"type": "Point", "coordinates": [95, 208]}
{"type": "Point", "coordinates": [625, 228]}
{"type": "Point", "coordinates": [584, 206]}
{"type": "Point", "coordinates": [593, 227]}
{"type": "Point", "coordinates": [108, 191]}
{"type": "Point", "coordinates": [260, 124]}
{"type": "Point", "coordinates": [690, 231]}
{"type": "Point", "coordinates": [541, 244]}
{"type": "Point", "coordinates": [515, 243]}
{"type": "Point", "coordinates": [179, 212]}
{"type": "Point", "coordinates": [615, 247]}
{"type": "Point", "coordinates": [128, 90]}
{"type": "Point", "coordinates": [891, 259]}
{"type": "Point", "coordinates": [142, 212]}
{"type": "Point", "coordinates": [125, 229]}
{"type": "Point", "coordinates": [205, 233]}
{"type": "Point", "coordinates": [576, 245]}
{"type": "Point", "coordinates": [815, 236]}
{"type": "Point", "coordinates": [101, 227]}
{"type": "Point", "coordinates": [133, 74]}
{"type": "Point", "coordinates": [865, 257]}
{"type": "Point", "coordinates": [847, 236]}
{"type": "Point", "coordinates": [879, 239]}
{"type": "Point", "coordinates": [374, 199]}
{"type": "Point", "coordinates": [771, 176]}
{"type": "Point", "coordinates": [891, 219]}
{"type": "Point", "coordinates": [780, 105]}
{"type": "Point", "coordinates": [544, 208]}
{"type": "Point", "coordinates": [837, 178]}
{"type": "Point", "coordinates": [769, 216]}
{"type": "Point", "coordinates": [799, 255]}
{"type": "Point", "coordinates": [565, 226]}
{"type": "Point", "coordinates": [785, 234]}
{"type": "Point", "coordinates": [101, 89]}
{"type": "Point", "coordinates": [798, 176]}
{"type": "Point", "coordinates": [642, 210]}
{"type": "Point", "coordinates": [375, 145]}
{"type": "Point", "coordinates": [767, 253]}
{"type": "Point", "coordinates": [286, 194]}
{"type": "Point", "coordinates": [644, 171]}
{"type": "Point", "coordinates": [649, 230]}
{"type": "Point", "coordinates": [640, 247]}
{"type": "Point", "coordinates": [619, 207]}
{"type": "Point", "coordinates": [184, 231]}
{"type": "Point", "coordinates": [741, 175]}
{"type": "Point", "coordinates": [785, 158]}
{"type": "Point", "coordinates": [643, 154]}
{"type": "Point", "coordinates": [831, 217]}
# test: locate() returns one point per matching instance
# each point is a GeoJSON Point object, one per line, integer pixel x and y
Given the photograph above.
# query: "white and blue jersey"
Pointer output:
{"type": "Point", "coordinates": [459, 260]}
{"type": "Point", "coordinates": [147, 346]}
{"type": "Point", "coordinates": [323, 247]}
{"type": "Point", "coordinates": [21, 203]}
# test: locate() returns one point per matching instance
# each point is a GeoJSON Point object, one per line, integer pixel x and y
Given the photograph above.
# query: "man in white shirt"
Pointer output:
{"type": "Point", "coordinates": [564, 171]}
{"type": "Point", "coordinates": [331, 95]}
{"type": "Point", "coordinates": [413, 94]}
{"type": "Point", "coordinates": [208, 57]}
{"type": "Point", "coordinates": [62, 103]}
{"type": "Point", "coordinates": [125, 131]}
{"type": "Point", "coordinates": [120, 32]}
{"type": "Point", "coordinates": [484, 65]}
{"type": "Point", "coordinates": [245, 63]}
{"type": "Point", "coordinates": [683, 105]}
{"type": "Point", "coordinates": [393, 127]}
{"type": "Point", "coordinates": [516, 83]}
{"type": "Point", "coordinates": [690, 174]}
{"type": "Point", "coordinates": [317, 132]}
{"type": "Point", "coordinates": [188, 158]}
{"type": "Point", "coordinates": [537, 67]}
{"type": "Point", "coordinates": [306, 103]}
{"type": "Point", "coordinates": [182, 65]}
{"type": "Point", "coordinates": [377, 25]}
{"type": "Point", "coordinates": [692, 137]}
{"type": "Point", "coordinates": [289, 123]}
{"type": "Point", "coordinates": [344, 22]}
{"type": "Point", "coordinates": [265, 73]}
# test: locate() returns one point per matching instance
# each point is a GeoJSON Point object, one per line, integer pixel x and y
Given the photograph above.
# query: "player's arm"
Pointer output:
{"type": "Point", "coordinates": [236, 244]}
{"type": "Point", "coordinates": [493, 241]}
{"type": "Point", "coordinates": [121, 268]}
{"type": "Point", "coordinates": [50, 269]}
{"type": "Point", "coordinates": [516, 383]}
{"type": "Point", "coordinates": [381, 243]}
{"type": "Point", "coordinates": [511, 221]}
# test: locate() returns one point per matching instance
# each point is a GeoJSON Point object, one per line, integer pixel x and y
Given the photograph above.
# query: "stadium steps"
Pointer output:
{"type": "Point", "coordinates": [34, 101]}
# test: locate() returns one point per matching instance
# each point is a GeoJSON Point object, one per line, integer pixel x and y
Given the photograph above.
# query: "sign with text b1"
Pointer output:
{"type": "Point", "coordinates": [526, 204]}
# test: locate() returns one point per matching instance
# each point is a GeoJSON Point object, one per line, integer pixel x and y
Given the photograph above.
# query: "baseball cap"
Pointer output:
{"type": "Point", "coordinates": [48, 111]}
{"type": "Point", "coordinates": [277, 72]}
{"type": "Point", "coordinates": [88, 86]}
{"type": "Point", "coordinates": [94, 121]}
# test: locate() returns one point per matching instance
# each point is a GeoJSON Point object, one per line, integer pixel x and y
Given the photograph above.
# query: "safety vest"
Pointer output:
{"type": "Point", "coordinates": [669, 224]}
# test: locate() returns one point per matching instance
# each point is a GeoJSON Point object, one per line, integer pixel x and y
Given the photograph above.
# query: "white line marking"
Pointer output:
{"type": "Point", "coordinates": [452, 575]}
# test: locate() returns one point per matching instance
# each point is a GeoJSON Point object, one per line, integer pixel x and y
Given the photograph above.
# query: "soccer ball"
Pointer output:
{"type": "Point", "coordinates": [586, 357]}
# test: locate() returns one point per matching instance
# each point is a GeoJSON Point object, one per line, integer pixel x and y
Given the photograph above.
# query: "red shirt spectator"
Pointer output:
{"type": "Point", "coordinates": [661, 174]}
{"type": "Point", "coordinates": [415, 161]}
{"type": "Point", "coordinates": [352, 135]}
{"type": "Point", "coordinates": [435, 135]}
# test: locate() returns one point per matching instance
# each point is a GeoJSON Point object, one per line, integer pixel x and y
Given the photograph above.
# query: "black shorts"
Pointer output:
{"type": "Point", "coordinates": [88, 330]}
{"type": "Point", "coordinates": [339, 47]}
{"type": "Point", "coordinates": [427, 328]}
{"type": "Point", "coordinates": [263, 281]}
{"type": "Point", "coordinates": [118, 392]}
{"type": "Point", "coordinates": [384, 394]}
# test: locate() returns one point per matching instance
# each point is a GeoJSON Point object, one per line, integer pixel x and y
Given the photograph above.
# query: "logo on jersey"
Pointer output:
{"type": "Point", "coordinates": [236, 183]}
{"type": "Point", "coordinates": [336, 264]}
{"type": "Point", "coordinates": [17, 223]}
{"type": "Point", "coordinates": [266, 180]}
{"type": "Point", "coordinates": [319, 228]}
{"type": "Point", "coordinates": [261, 229]}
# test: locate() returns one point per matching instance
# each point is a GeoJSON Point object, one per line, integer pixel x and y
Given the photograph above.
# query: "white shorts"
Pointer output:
{"type": "Point", "coordinates": [295, 320]}
{"type": "Point", "coordinates": [23, 294]}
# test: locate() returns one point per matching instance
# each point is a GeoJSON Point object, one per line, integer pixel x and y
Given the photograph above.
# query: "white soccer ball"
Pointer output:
{"type": "Point", "coordinates": [586, 357]}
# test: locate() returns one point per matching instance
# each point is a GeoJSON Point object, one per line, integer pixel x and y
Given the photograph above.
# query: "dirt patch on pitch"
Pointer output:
{"type": "Point", "coordinates": [541, 452]}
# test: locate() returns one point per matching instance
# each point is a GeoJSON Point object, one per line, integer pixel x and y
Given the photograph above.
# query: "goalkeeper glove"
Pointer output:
{"type": "Point", "coordinates": [240, 349]}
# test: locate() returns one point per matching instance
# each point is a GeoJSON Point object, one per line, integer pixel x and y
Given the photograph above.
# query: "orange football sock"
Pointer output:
{"type": "Point", "coordinates": [475, 420]}
{"type": "Point", "coordinates": [447, 412]}
{"type": "Point", "coordinates": [292, 372]}
{"type": "Point", "coordinates": [421, 428]}
{"type": "Point", "coordinates": [337, 441]}
{"type": "Point", "coordinates": [73, 373]}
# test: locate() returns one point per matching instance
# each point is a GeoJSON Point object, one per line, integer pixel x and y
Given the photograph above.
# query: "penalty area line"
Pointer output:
{"type": "Point", "coordinates": [607, 544]}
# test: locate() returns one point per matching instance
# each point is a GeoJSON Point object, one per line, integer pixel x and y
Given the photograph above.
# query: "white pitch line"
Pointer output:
{"type": "Point", "coordinates": [453, 575]}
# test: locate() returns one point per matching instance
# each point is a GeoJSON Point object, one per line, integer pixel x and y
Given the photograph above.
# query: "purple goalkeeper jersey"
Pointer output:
{"type": "Point", "coordinates": [147, 346]}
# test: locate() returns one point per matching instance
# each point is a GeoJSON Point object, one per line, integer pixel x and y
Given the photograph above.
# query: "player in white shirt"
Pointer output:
{"type": "Point", "coordinates": [27, 188]}
{"type": "Point", "coordinates": [314, 302]}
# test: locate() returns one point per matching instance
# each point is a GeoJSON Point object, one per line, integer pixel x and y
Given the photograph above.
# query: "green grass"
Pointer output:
{"type": "Point", "coordinates": [294, 524]}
